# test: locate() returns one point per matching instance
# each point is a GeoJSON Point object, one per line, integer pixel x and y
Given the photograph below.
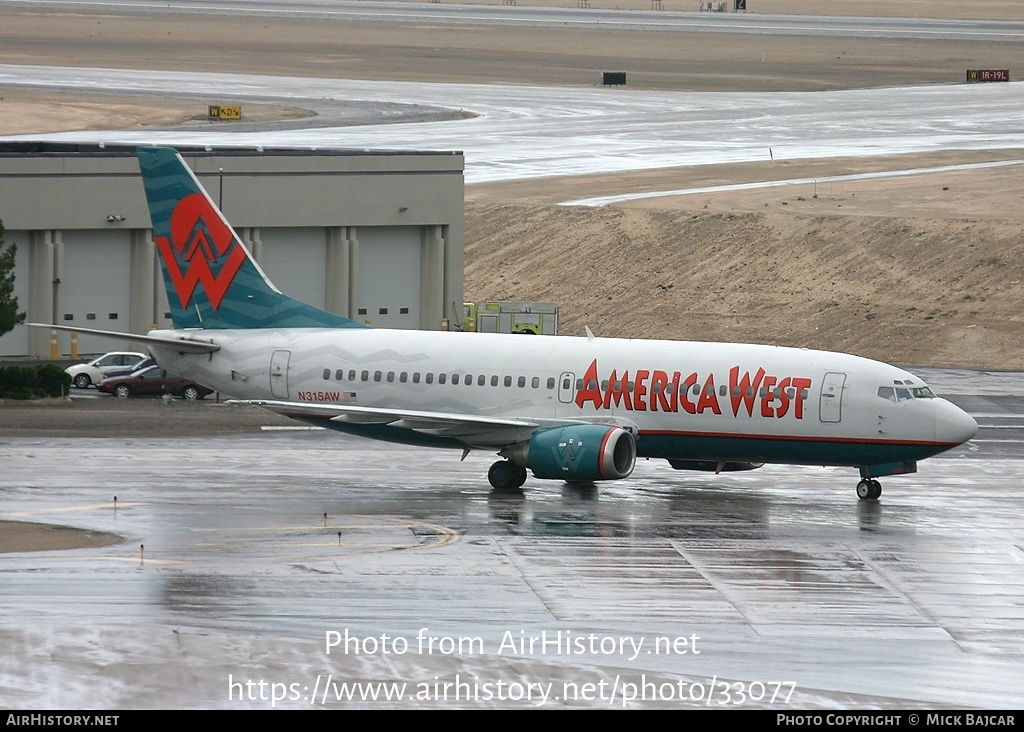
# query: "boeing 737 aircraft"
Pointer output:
{"type": "Point", "coordinates": [571, 409]}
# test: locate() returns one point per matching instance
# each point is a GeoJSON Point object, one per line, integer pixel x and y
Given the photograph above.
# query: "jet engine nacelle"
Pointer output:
{"type": "Point", "coordinates": [581, 452]}
{"type": "Point", "coordinates": [711, 466]}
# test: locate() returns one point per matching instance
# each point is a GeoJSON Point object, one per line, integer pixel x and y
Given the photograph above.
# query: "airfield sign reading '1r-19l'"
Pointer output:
{"type": "Point", "coordinates": [573, 409]}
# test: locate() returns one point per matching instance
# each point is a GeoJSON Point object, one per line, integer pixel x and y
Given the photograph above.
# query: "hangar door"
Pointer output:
{"type": "Point", "coordinates": [94, 289]}
{"type": "Point", "coordinates": [295, 260]}
{"type": "Point", "coordinates": [387, 282]}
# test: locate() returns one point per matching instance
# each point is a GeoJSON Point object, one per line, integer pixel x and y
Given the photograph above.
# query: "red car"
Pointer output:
{"type": "Point", "coordinates": [153, 381]}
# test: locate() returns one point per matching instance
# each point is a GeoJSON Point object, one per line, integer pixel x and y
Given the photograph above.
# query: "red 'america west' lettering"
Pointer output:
{"type": "Point", "coordinates": [753, 395]}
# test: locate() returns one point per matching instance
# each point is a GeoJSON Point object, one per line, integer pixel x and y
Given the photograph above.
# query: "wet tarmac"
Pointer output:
{"type": "Point", "coordinates": [522, 132]}
{"type": "Point", "coordinates": [333, 569]}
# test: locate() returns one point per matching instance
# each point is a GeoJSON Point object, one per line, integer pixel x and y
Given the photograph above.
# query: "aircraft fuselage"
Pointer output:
{"type": "Point", "coordinates": [689, 401]}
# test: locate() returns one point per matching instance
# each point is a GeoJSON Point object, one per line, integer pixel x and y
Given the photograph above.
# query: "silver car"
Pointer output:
{"type": "Point", "coordinates": [83, 375]}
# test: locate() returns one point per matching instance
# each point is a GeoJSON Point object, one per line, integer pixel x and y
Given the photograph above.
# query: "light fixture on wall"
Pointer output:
{"type": "Point", "coordinates": [114, 218]}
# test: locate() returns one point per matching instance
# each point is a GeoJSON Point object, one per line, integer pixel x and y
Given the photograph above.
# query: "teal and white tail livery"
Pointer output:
{"type": "Point", "coordinates": [211, 278]}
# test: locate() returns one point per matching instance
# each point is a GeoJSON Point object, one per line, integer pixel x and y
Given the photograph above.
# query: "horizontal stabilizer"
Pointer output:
{"type": "Point", "coordinates": [180, 342]}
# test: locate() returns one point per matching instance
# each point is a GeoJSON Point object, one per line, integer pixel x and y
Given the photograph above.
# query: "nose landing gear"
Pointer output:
{"type": "Point", "coordinates": [869, 489]}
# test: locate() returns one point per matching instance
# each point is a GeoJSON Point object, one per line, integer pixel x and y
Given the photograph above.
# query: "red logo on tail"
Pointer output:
{"type": "Point", "coordinates": [199, 238]}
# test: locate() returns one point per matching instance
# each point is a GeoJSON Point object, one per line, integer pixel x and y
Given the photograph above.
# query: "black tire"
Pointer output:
{"type": "Point", "coordinates": [504, 476]}
{"type": "Point", "coordinates": [191, 393]}
{"type": "Point", "coordinates": [868, 489]}
{"type": "Point", "coordinates": [122, 391]}
{"type": "Point", "coordinates": [82, 381]}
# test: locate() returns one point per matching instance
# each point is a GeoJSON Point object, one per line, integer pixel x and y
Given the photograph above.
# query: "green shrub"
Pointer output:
{"type": "Point", "coordinates": [33, 382]}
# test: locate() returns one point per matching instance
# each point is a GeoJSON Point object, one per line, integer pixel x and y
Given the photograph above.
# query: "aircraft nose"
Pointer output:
{"type": "Point", "coordinates": [952, 424]}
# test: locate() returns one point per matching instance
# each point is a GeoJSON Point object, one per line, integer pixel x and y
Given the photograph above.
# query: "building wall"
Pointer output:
{"type": "Point", "coordinates": [375, 236]}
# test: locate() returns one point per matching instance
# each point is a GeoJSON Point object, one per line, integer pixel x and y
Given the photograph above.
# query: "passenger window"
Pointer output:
{"type": "Point", "coordinates": [352, 375]}
{"type": "Point", "coordinates": [415, 377]}
{"type": "Point", "coordinates": [551, 382]}
{"type": "Point", "coordinates": [536, 382]}
{"type": "Point", "coordinates": [455, 379]}
{"type": "Point", "coordinates": [429, 377]}
{"type": "Point", "coordinates": [377, 375]}
{"type": "Point", "coordinates": [521, 382]}
{"type": "Point", "coordinates": [481, 380]}
{"type": "Point", "coordinates": [327, 374]}
{"type": "Point", "coordinates": [494, 381]}
{"type": "Point", "coordinates": [365, 376]}
{"type": "Point", "coordinates": [339, 374]}
{"type": "Point", "coordinates": [508, 381]}
{"type": "Point", "coordinates": [403, 377]}
{"type": "Point", "coordinates": [566, 383]}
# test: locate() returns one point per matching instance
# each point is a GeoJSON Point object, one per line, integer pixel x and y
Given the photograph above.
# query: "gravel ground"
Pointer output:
{"type": "Point", "coordinates": [110, 417]}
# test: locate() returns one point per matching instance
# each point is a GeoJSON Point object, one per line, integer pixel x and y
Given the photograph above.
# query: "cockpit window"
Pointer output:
{"type": "Point", "coordinates": [902, 394]}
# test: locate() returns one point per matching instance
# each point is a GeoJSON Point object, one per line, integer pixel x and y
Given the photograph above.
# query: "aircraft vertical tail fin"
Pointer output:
{"type": "Point", "coordinates": [212, 281]}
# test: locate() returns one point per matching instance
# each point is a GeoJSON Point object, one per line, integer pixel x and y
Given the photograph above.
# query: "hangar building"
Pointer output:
{"type": "Point", "coordinates": [376, 236]}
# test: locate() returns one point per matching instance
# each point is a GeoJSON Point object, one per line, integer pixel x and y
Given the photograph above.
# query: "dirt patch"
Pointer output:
{"type": "Point", "coordinates": [23, 536]}
{"type": "Point", "coordinates": [26, 112]}
{"type": "Point", "coordinates": [906, 290]}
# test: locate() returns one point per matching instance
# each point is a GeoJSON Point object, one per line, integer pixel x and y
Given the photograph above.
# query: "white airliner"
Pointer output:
{"type": "Point", "coordinates": [571, 409]}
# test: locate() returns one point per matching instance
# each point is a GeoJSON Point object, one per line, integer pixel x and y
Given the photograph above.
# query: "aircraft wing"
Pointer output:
{"type": "Point", "coordinates": [182, 343]}
{"type": "Point", "coordinates": [474, 430]}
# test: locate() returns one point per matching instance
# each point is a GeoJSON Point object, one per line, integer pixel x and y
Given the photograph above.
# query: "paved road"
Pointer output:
{"type": "Point", "coordinates": [589, 18]}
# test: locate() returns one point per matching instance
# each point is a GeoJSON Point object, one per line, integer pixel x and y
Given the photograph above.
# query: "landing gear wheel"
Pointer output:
{"type": "Point", "coordinates": [869, 489]}
{"type": "Point", "coordinates": [505, 475]}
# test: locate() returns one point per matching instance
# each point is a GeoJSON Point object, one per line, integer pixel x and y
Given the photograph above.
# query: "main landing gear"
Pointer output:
{"type": "Point", "coordinates": [869, 489]}
{"type": "Point", "coordinates": [505, 475]}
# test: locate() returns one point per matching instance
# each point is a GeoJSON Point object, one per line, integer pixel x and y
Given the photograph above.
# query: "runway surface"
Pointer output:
{"type": "Point", "coordinates": [524, 132]}
{"type": "Point", "coordinates": [541, 17]}
{"type": "Point", "coordinates": [795, 594]}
